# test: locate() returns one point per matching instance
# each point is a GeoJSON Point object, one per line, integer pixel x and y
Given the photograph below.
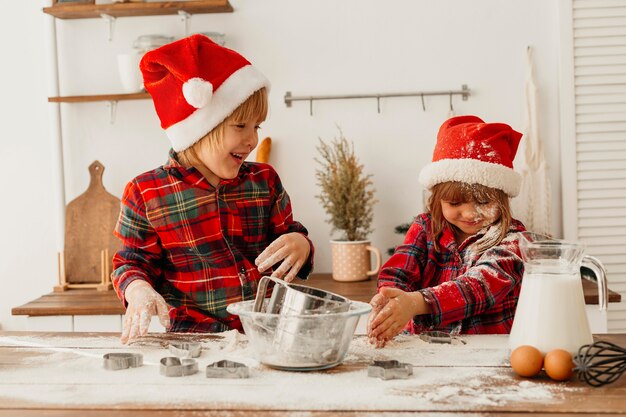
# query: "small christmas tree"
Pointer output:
{"type": "Point", "coordinates": [401, 229]}
{"type": "Point", "coordinates": [347, 193]}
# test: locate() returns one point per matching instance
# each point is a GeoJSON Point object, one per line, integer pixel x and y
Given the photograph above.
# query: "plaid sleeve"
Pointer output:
{"type": "Point", "coordinates": [140, 253]}
{"type": "Point", "coordinates": [484, 285]}
{"type": "Point", "coordinates": [282, 222]}
{"type": "Point", "coordinates": [404, 268]}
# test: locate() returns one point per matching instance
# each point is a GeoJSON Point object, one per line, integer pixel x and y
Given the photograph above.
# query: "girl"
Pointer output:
{"type": "Point", "coordinates": [459, 269]}
{"type": "Point", "coordinates": [198, 231]}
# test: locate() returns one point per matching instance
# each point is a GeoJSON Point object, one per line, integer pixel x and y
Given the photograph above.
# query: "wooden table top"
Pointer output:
{"type": "Point", "coordinates": [92, 302]}
{"type": "Point", "coordinates": [54, 374]}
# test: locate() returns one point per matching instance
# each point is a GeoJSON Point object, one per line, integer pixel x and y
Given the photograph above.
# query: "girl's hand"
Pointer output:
{"type": "Point", "coordinates": [377, 302]}
{"type": "Point", "coordinates": [292, 249]}
{"type": "Point", "coordinates": [143, 303]}
{"type": "Point", "coordinates": [396, 313]}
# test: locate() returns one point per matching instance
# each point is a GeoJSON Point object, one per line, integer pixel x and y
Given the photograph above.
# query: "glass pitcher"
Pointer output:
{"type": "Point", "coordinates": [551, 307]}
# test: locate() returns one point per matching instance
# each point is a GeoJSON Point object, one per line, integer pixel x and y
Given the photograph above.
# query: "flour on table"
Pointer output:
{"type": "Point", "coordinates": [233, 340]}
{"type": "Point", "coordinates": [69, 372]}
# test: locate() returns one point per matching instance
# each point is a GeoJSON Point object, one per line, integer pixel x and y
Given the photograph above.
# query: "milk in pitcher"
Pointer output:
{"type": "Point", "coordinates": [553, 310]}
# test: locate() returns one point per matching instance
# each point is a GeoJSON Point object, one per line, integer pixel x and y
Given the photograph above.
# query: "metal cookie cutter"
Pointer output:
{"type": "Point", "coordinates": [185, 349]}
{"type": "Point", "coordinates": [173, 366]}
{"type": "Point", "coordinates": [391, 369]}
{"type": "Point", "coordinates": [436, 336]}
{"type": "Point", "coordinates": [116, 361]}
{"type": "Point", "coordinates": [227, 369]}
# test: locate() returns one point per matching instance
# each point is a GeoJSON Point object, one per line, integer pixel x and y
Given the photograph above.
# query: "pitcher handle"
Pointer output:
{"type": "Point", "coordinates": [377, 256]}
{"type": "Point", "coordinates": [597, 268]}
{"type": "Point", "coordinates": [262, 290]}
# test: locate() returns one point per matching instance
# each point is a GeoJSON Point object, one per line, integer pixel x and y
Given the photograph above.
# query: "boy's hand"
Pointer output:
{"type": "Point", "coordinates": [394, 314]}
{"type": "Point", "coordinates": [291, 248]}
{"type": "Point", "coordinates": [143, 303]}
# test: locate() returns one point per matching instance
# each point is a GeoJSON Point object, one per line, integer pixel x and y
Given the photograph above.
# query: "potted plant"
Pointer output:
{"type": "Point", "coordinates": [347, 195]}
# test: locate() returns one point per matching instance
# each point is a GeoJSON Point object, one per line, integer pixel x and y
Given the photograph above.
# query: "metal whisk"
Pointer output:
{"type": "Point", "coordinates": [600, 363]}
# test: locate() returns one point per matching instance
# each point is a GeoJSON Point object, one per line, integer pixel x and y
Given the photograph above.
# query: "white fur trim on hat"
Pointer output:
{"type": "Point", "coordinates": [198, 92]}
{"type": "Point", "coordinates": [231, 94]}
{"type": "Point", "coordinates": [471, 171]}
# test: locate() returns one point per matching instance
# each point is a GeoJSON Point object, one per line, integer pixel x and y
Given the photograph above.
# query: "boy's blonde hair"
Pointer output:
{"type": "Point", "coordinates": [465, 193]}
{"type": "Point", "coordinates": [254, 108]}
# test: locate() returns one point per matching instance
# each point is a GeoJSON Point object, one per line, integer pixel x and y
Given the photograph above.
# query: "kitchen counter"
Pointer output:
{"type": "Point", "coordinates": [53, 374]}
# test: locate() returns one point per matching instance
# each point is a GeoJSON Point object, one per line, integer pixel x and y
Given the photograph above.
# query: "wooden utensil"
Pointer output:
{"type": "Point", "coordinates": [89, 241]}
{"type": "Point", "coordinates": [263, 151]}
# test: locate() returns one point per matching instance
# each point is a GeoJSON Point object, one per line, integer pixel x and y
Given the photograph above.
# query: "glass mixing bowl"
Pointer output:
{"type": "Point", "coordinates": [299, 342]}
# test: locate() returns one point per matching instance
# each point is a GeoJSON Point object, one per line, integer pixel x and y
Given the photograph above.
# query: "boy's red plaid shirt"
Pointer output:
{"type": "Point", "coordinates": [196, 244]}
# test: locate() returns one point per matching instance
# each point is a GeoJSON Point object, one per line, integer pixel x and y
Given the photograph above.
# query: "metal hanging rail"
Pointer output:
{"type": "Point", "coordinates": [464, 92]}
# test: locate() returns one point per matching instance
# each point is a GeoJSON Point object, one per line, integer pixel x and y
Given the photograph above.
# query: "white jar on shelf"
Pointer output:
{"type": "Point", "coordinates": [128, 63]}
{"type": "Point", "coordinates": [130, 75]}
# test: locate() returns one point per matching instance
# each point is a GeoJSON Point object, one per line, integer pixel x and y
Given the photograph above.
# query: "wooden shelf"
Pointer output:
{"type": "Point", "coordinates": [101, 97]}
{"type": "Point", "coordinates": [72, 303]}
{"type": "Point", "coordinates": [89, 11]}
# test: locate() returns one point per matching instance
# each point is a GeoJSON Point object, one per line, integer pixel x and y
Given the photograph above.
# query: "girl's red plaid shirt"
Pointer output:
{"type": "Point", "coordinates": [466, 291]}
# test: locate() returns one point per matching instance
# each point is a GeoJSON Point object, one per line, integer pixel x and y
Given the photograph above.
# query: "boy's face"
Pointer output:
{"type": "Point", "coordinates": [471, 216]}
{"type": "Point", "coordinates": [223, 162]}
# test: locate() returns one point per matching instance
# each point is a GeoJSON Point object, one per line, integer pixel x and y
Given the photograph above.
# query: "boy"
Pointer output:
{"type": "Point", "coordinates": [198, 231]}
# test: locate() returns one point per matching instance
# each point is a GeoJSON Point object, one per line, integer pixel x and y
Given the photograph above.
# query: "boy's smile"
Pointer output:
{"type": "Point", "coordinates": [223, 161]}
{"type": "Point", "coordinates": [238, 156]}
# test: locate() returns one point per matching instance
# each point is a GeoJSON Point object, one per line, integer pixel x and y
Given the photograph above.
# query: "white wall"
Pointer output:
{"type": "Point", "coordinates": [308, 48]}
{"type": "Point", "coordinates": [27, 251]}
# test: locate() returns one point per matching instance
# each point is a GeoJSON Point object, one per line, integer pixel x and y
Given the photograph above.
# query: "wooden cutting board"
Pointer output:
{"type": "Point", "coordinates": [89, 222]}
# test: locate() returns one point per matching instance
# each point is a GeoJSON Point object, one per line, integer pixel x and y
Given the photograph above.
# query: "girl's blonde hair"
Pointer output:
{"type": "Point", "coordinates": [254, 108]}
{"type": "Point", "coordinates": [465, 193]}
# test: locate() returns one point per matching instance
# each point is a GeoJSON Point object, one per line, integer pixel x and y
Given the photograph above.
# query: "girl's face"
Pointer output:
{"type": "Point", "coordinates": [470, 217]}
{"type": "Point", "coordinates": [223, 162]}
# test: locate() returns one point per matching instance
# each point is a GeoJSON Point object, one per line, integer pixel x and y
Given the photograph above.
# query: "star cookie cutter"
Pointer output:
{"type": "Point", "coordinates": [391, 369]}
{"type": "Point", "coordinates": [116, 361]}
{"type": "Point", "coordinates": [185, 349]}
{"type": "Point", "coordinates": [172, 366]}
{"type": "Point", "coordinates": [227, 369]}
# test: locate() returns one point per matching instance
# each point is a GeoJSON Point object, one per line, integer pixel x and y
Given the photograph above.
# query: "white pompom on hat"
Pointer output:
{"type": "Point", "coordinates": [195, 85]}
{"type": "Point", "coordinates": [474, 152]}
{"type": "Point", "coordinates": [198, 92]}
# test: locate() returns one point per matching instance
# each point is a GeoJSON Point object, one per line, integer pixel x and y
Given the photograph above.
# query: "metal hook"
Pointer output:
{"type": "Point", "coordinates": [110, 20]}
{"type": "Point", "coordinates": [311, 107]}
{"type": "Point", "coordinates": [288, 98]}
{"type": "Point", "coordinates": [112, 110]}
{"type": "Point", "coordinates": [378, 103]}
{"type": "Point", "coordinates": [464, 92]}
{"type": "Point", "coordinates": [451, 107]}
{"type": "Point", "coordinates": [423, 103]}
{"type": "Point", "coordinates": [185, 19]}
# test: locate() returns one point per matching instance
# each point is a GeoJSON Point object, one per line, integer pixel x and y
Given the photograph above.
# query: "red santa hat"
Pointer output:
{"type": "Point", "coordinates": [471, 151]}
{"type": "Point", "coordinates": [195, 85]}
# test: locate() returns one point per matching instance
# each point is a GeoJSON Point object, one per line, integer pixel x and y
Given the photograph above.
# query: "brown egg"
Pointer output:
{"type": "Point", "coordinates": [558, 365]}
{"type": "Point", "coordinates": [526, 360]}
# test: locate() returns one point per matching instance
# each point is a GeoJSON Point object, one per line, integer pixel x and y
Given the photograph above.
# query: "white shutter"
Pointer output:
{"type": "Point", "coordinates": [593, 111]}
